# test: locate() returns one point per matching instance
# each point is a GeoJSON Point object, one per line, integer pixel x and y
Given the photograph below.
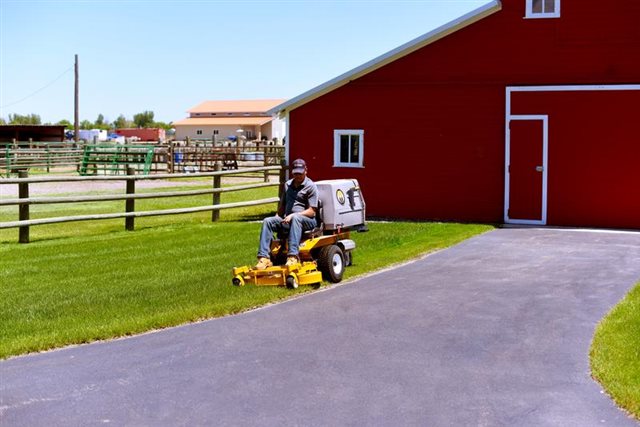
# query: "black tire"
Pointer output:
{"type": "Point", "coordinates": [348, 258]}
{"type": "Point", "coordinates": [292, 283]}
{"type": "Point", "coordinates": [331, 263]}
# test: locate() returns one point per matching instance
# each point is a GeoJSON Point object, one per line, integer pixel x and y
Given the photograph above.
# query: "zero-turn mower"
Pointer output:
{"type": "Point", "coordinates": [324, 251]}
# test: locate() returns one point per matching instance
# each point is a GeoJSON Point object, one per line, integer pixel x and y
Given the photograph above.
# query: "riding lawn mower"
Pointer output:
{"type": "Point", "coordinates": [325, 251]}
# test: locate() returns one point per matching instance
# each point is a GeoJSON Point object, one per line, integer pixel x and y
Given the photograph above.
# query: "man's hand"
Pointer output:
{"type": "Point", "coordinates": [287, 219]}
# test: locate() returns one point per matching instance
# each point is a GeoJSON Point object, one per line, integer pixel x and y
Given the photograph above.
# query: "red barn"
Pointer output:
{"type": "Point", "coordinates": [522, 111]}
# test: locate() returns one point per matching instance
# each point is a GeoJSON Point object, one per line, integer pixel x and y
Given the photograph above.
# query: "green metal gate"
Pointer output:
{"type": "Point", "coordinates": [109, 159]}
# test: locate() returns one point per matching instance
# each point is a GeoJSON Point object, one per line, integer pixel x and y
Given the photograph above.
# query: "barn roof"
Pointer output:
{"type": "Point", "coordinates": [397, 53]}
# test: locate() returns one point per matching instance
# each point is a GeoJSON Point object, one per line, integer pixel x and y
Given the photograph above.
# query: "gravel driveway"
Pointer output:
{"type": "Point", "coordinates": [492, 332]}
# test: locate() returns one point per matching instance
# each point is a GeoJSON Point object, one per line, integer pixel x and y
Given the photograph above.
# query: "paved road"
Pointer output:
{"type": "Point", "coordinates": [493, 332]}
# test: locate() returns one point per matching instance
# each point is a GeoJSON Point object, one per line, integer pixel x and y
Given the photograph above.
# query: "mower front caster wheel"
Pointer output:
{"type": "Point", "coordinates": [237, 281]}
{"type": "Point", "coordinates": [292, 282]}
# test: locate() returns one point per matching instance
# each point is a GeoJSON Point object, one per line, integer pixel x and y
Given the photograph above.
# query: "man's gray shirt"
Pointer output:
{"type": "Point", "coordinates": [301, 198]}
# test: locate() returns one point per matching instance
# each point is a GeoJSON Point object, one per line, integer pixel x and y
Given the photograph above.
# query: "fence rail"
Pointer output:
{"type": "Point", "coordinates": [24, 201]}
{"type": "Point", "coordinates": [172, 157]}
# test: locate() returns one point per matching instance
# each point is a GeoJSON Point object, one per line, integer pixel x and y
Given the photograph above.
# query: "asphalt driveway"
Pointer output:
{"type": "Point", "coordinates": [492, 332]}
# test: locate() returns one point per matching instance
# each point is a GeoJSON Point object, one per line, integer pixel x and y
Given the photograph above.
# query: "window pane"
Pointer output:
{"type": "Point", "coordinates": [549, 6]}
{"type": "Point", "coordinates": [355, 147]}
{"type": "Point", "coordinates": [344, 148]}
{"type": "Point", "coordinates": [537, 6]}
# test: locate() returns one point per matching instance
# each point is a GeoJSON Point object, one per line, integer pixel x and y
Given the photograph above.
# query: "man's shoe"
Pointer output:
{"type": "Point", "coordinates": [292, 260]}
{"type": "Point", "coordinates": [263, 263]}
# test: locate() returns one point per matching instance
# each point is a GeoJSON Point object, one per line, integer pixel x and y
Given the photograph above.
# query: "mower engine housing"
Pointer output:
{"type": "Point", "coordinates": [343, 207]}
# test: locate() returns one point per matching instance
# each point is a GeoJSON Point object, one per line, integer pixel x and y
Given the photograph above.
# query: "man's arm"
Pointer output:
{"type": "Point", "coordinates": [309, 212]}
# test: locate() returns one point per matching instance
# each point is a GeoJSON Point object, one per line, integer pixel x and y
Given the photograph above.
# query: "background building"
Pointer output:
{"type": "Point", "coordinates": [219, 120]}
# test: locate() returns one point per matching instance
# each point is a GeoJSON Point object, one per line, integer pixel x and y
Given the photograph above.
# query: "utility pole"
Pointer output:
{"type": "Point", "coordinates": [76, 116]}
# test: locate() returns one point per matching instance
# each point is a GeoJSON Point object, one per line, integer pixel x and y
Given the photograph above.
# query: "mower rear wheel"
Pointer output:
{"type": "Point", "coordinates": [331, 263]}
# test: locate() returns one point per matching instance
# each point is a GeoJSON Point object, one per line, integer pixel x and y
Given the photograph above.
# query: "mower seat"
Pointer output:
{"type": "Point", "coordinates": [317, 231]}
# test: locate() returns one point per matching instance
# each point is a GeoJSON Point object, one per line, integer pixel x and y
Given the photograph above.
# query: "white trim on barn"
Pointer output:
{"type": "Point", "coordinates": [337, 146]}
{"type": "Point", "coordinates": [391, 56]}
{"type": "Point", "coordinates": [530, 14]}
{"type": "Point", "coordinates": [509, 117]}
{"type": "Point", "coordinates": [287, 142]}
{"type": "Point", "coordinates": [545, 158]}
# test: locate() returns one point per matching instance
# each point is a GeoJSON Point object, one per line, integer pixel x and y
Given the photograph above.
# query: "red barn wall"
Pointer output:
{"type": "Point", "coordinates": [434, 120]}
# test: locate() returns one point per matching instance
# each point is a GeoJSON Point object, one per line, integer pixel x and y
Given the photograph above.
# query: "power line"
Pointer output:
{"type": "Point", "coordinates": [39, 90]}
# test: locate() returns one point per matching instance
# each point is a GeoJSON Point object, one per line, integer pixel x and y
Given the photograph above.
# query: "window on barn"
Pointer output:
{"type": "Point", "coordinates": [198, 131]}
{"type": "Point", "coordinates": [348, 148]}
{"type": "Point", "coordinates": [543, 9]}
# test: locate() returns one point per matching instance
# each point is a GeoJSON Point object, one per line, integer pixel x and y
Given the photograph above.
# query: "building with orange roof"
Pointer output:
{"type": "Point", "coordinates": [219, 120]}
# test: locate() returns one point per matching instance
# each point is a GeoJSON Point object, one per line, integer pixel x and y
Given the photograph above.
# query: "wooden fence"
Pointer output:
{"type": "Point", "coordinates": [24, 201]}
{"type": "Point", "coordinates": [182, 157]}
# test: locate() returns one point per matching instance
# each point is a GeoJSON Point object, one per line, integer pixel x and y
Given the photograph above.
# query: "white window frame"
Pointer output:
{"type": "Point", "coordinates": [531, 15]}
{"type": "Point", "coordinates": [337, 133]}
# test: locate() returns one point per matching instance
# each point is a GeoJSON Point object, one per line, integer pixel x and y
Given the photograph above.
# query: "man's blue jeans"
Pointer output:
{"type": "Point", "coordinates": [299, 224]}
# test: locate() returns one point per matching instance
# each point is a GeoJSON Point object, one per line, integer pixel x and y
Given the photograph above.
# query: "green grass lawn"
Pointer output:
{"type": "Point", "coordinates": [615, 353]}
{"type": "Point", "coordinates": [85, 281]}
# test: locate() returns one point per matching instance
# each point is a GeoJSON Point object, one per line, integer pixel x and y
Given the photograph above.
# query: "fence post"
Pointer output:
{"type": "Point", "coordinates": [14, 154]}
{"type": "Point", "coordinates": [8, 159]}
{"type": "Point", "coordinates": [130, 204]}
{"type": "Point", "coordinates": [171, 165]}
{"type": "Point", "coordinates": [283, 178]}
{"type": "Point", "coordinates": [48, 151]}
{"type": "Point", "coordinates": [23, 209]}
{"type": "Point", "coordinates": [266, 162]}
{"type": "Point", "coordinates": [215, 214]}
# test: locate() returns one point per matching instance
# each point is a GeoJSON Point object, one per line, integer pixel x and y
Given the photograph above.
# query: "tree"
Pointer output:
{"type": "Point", "coordinates": [66, 123]}
{"type": "Point", "coordinates": [162, 125]}
{"type": "Point", "coordinates": [2, 121]}
{"type": "Point", "coordinates": [121, 122]}
{"type": "Point", "coordinates": [86, 124]}
{"type": "Point", "coordinates": [100, 123]}
{"type": "Point", "coordinates": [29, 119]}
{"type": "Point", "coordinates": [144, 119]}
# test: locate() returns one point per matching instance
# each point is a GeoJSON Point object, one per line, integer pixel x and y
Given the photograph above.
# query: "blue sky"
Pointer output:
{"type": "Point", "coordinates": [168, 56]}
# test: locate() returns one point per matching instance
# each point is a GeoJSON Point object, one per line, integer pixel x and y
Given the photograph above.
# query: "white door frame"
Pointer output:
{"type": "Point", "coordinates": [545, 157]}
{"type": "Point", "coordinates": [508, 117]}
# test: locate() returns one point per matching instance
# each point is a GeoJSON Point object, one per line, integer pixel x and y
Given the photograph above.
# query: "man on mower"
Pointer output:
{"type": "Point", "coordinates": [296, 214]}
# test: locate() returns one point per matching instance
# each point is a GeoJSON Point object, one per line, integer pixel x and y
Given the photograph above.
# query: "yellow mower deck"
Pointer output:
{"type": "Point", "coordinates": [304, 273]}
